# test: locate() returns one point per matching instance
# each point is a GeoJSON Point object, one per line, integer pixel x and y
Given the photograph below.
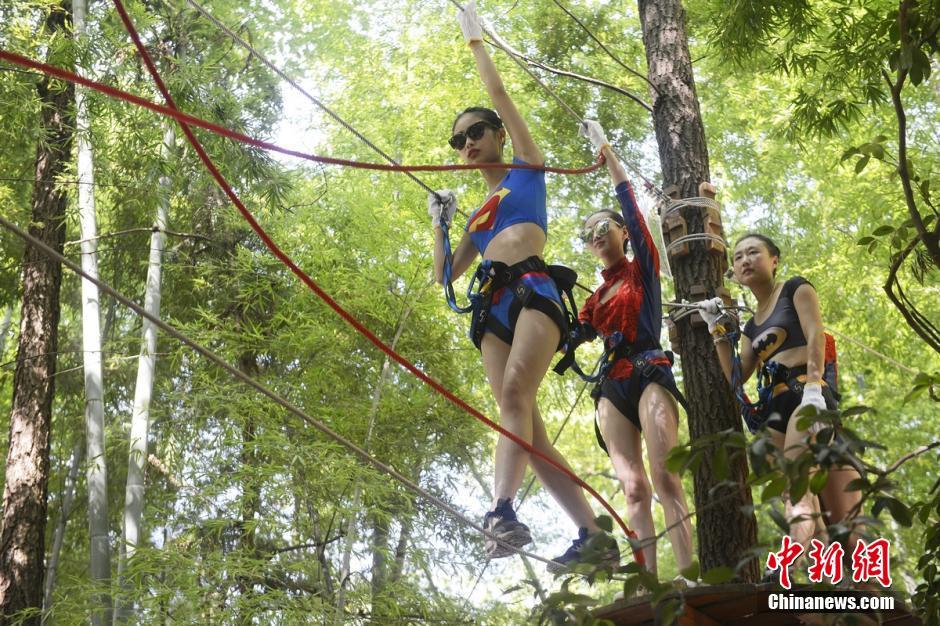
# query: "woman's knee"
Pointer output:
{"type": "Point", "coordinates": [637, 490]}
{"type": "Point", "coordinates": [516, 395]}
{"type": "Point", "coordinates": [667, 484]}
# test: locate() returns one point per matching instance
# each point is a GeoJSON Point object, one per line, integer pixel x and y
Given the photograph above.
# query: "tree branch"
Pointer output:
{"type": "Point", "coordinates": [929, 239]}
{"type": "Point", "coordinates": [586, 79]}
{"type": "Point", "coordinates": [138, 230]}
{"type": "Point", "coordinates": [910, 455]}
{"type": "Point", "coordinates": [912, 321]}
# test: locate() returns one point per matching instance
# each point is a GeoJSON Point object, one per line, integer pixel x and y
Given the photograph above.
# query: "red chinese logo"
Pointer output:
{"type": "Point", "coordinates": [872, 561]}
{"type": "Point", "coordinates": [790, 551]}
{"type": "Point", "coordinates": [826, 562]}
{"type": "Point", "coordinates": [869, 561]}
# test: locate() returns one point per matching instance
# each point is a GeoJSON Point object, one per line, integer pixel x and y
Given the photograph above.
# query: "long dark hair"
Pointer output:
{"type": "Point", "coordinates": [489, 116]}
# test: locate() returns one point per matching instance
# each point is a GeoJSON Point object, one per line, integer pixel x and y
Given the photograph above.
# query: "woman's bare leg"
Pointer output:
{"type": "Point", "coordinates": [624, 445]}
{"type": "Point", "coordinates": [659, 417]}
{"type": "Point", "coordinates": [533, 346]}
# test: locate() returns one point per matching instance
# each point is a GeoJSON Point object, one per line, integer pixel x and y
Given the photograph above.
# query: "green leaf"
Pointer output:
{"type": "Point", "coordinates": [692, 571]}
{"type": "Point", "coordinates": [907, 56]}
{"type": "Point", "coordinates": [720, 465]}
{"type": "Point", "coordinates": [862, 162]}
{"type": "Point", "coordinates": [718, 575]}
{"type": "Point", "coordinates": [779, 519]}
{"type": "Point", "coordinates": [676, 458]}
{"type": "Point", "coordinates": [883, 230]}
{"type": "Point", "coordinates": [920, 66]}
{"type": "Point", "coordinates": [630, 586]}
{"type": "Point", "coordinates": [605, 522]}
{"type": "Point", "coordinates": [848, 154]}
{"type": "Point", "coordinates": [855, 410]}
{"type": "Point", "coordinates": [774, 489]}
{"type": "Point", "coordinates": [864, 241]}
{"type": "Point", "coordinates": [898, 510]}
{"type": "Point", "coordinates": [668, 612]}
{"type": "Point", "coordinates": [819, 479]}
{"type": "Point", "coordinates": [799, 486]}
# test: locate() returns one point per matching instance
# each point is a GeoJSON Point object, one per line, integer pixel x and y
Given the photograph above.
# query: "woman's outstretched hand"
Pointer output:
{"type": "Point", "coordinates": [470, 22]}
{"type": "Point", "coordinates": [595, 133]}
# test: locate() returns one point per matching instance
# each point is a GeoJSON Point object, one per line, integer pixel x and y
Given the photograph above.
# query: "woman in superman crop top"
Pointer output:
{"type": "Point", "coordinates": [785, 338]}
{"type": "Point", "coordinates": [522, 323]}
{"type": "Point", "coordinates": [636, 399]}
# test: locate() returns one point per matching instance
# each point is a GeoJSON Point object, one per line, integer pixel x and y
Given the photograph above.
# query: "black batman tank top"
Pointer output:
{"type": "Point", "coordinates": [781, 330]}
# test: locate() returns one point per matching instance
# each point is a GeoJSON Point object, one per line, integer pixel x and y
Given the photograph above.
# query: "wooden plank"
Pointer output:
{"type": "Point", "coordinates": [693, 617]}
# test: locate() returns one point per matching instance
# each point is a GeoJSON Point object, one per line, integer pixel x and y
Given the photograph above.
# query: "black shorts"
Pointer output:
{"type": "Point", "coordinates": [625, 394]}
{"type": "Point", "coordinates": [780, 408]}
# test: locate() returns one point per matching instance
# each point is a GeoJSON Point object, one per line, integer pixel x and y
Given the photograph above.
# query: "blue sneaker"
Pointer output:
{"type": "Point", "coordinates": [510, 531]}
{"type": "Point", "coordinates": [599, 549]}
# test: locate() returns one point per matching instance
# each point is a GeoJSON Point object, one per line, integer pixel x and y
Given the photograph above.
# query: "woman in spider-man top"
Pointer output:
{"type": "Point", "coordinates": [519, 322]}
{"type": "Point", "coordinates": [636, 399]}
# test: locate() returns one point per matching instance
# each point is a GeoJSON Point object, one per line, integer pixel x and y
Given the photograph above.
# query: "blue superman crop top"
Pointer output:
{"type": "Point", "coordinates": [519, 198]}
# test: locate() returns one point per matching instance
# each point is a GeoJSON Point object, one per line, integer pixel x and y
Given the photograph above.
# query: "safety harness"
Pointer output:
{"type": "Point", "coordinates": [491, 276]}
{"type": "Point", "coordinates": [774, 378]}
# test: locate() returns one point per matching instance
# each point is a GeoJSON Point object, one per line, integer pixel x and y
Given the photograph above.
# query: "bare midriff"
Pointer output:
{"type": "Point", "coordinates": [516, 243]}
{"type": "Point", "coordinates": [792, 357]}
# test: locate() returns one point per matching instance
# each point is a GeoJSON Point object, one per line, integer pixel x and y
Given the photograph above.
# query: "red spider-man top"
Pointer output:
{"type": "Point", "coordinates": [635, 308]}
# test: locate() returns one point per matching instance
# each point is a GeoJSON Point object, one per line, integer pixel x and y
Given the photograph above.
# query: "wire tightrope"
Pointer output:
{"type": "Point", "coordinates": [262, 389]}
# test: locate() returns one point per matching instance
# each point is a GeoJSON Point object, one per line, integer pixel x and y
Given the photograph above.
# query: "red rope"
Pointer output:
{"type": "Point", "coordinates": [187, 119]}
{"type": "Point", "coordinates": [171, 111]}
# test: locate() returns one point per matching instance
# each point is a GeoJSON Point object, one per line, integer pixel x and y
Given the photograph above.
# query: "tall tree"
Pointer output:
{"type": "Point", "coordinates": [22, 535]}
{"type": "Point", "coordinates": [725, 533]}
{"type": "Point", "coordinates": [143, 389]}
{"type": "Point", "coordinates": [96, 470]}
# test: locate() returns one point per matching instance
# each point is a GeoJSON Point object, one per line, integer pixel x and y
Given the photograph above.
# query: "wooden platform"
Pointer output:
{"type": "Point", "coordinates": [743, 605]}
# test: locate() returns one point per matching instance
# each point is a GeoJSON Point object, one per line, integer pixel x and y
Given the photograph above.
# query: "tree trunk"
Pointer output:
{"type": "Point", "coordinates": [23, 527]}
{"type": "Point", "coordinates": [58, 537]}
{"type": "Point", "coordinates": [380, 536]}
{"type": "Point", "coordinates": [146, 364]}
{"type": "Point", "coordinates": [5, 327]}
{"type": "Point", "coordinates": [725, 533]}
{"type": "Point", "coordinates": [401, 550]}
{"type": "Point", "coordinates": [96, 470]}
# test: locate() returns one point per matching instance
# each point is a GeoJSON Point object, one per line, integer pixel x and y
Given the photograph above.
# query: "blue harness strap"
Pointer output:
{"type": "Point", "coordinates": [752, 412]}
{"type": "Point", "coordinates": [472, 294]}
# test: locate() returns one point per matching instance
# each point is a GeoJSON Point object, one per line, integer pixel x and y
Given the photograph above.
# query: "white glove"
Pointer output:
{"type": "Point", "coordinates": [470, 23]}
{"type": "Point", "coordinates": [710, 310]}
{"type": "Point", "coordinates": [595, 132]}
{"type": "Point", "coordinates": [813, 396]}
{"type": "Point", "coordinates": [436, 210]}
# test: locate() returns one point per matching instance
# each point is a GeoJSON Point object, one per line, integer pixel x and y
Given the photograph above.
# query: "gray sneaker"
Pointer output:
{"type": "Point", "coordinates": [510, 531]}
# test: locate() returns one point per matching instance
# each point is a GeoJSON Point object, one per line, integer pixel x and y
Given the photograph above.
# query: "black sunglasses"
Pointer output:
{"type": "Point", "coordinates": [474, 132]}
